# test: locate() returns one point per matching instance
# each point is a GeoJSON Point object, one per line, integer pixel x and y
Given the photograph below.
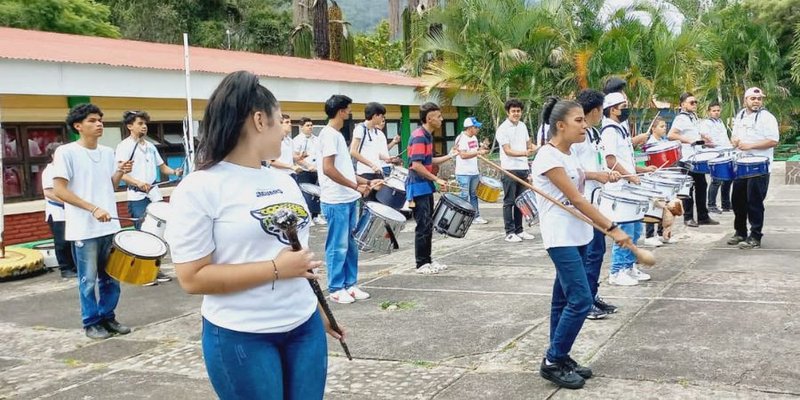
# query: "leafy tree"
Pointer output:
{"type": "Point", "coordinates": [82, 17]}
{"type": "Point", "coordinates": [376, 50]}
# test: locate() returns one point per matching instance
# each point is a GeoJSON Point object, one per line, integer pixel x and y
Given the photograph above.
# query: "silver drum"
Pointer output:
{"type": "Point", "coordinates": [526, 202]}
{"type": "Point", "coordinates": [378, 227]}
{"type": "Point", "coordinates": [453, 216]}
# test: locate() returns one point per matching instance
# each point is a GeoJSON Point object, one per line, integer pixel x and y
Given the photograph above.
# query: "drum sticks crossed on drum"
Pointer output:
{"type": "Point", "coordinates": [644, 256]}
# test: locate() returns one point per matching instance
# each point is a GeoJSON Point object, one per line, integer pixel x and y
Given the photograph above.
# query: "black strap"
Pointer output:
{"type": "Point", "coordinates": [744, 110]}
{"type": "Point", "coordinates": [594, 135]}
{"type": "Point", "coordinates": [619, 129]}
{"type": "Point", "coordinates": [392, 237]}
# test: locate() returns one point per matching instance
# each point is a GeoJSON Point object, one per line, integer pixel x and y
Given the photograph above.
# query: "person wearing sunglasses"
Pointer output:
{"type": "Point", "coordinates": [755, 133]}
{"type": "Point", "coordinates": [686, 129]}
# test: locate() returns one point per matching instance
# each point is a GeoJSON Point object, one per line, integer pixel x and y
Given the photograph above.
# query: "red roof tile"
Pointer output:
{"type": "Point", "coordinates": [58, 47]}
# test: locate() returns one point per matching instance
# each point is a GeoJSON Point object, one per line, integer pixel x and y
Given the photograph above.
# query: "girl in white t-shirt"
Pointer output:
{"type": "Point", "coordinates": [557, 172]}
{"type": "Point", "coordinates": [263, 336]}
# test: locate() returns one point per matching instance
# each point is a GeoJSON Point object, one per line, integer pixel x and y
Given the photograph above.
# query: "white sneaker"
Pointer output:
{"type": "Point", "coordinates": [342, 297]}
{"type": "Point", "coordinates": [439, 267]}
{"type": "Point", "coordinates": [320, 220]}
{"type": "Point", "coordinates": [427, 269]}
{"type": "Point", "coordinates": [480, 221]}
{"type": "Point", "coordinates": [357, 293]}
{"type": "Point", "coordinates": [653, 242]}
{"type": "Point", "coordinates": [513, 238]}
{"type": "Point", "coordinates": [526, 236]}
{"type": "Point", "coordinates": [637, 274]}
{"type": "Point", "coordinates": [622, 278]}
{"type": "Point", "coordinates": [671, 240]}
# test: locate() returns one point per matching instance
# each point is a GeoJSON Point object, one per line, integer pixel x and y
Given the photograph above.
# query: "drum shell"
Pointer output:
{"type": "Point", "coordinates": [48, 251]}
{"type": "Point", "coordinates": [451, 219]}
{"type": "Point", "coordinates": [654, 213]}
{"type": "Point", "coordinates": [669, 188]}
{"type": "Point", "coordinates": [746, 169]}
{"type": "Point", "coordinates": [700, 166]}
{"type": "Point", "coordinates": [130, 268]}
{"type": "Point", "coordinates": [526, 202]}
{"type": "Point", "coordinates": [392, 195]}
{"type": "Point", "coordinates": [622, 207]}
{"type": "Point", "coordinates": [370, 233]}
{"type": "Point", "coordinates": [663, 157]}
{"type": "Point", "coordinates": [722, 168]}
{"type": "Point", "coordinates": [399, 173]}
{"type": "Point", "coordinates": [488, 190]}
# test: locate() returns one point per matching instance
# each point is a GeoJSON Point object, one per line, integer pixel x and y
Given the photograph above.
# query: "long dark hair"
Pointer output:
{"type": "Point", "coordinates": [555, 110]}
{"type": "Point", "coordinates": [237, 97]}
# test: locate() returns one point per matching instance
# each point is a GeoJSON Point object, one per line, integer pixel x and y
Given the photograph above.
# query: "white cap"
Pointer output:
{"type": "Point", "coordinates": [754, 92]}
{"type": "Point", "coordinates": [613, 99]}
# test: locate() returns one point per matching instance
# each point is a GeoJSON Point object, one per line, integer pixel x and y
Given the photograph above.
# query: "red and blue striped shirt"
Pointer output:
{"type": "Point", "coordinates": [420, 149]}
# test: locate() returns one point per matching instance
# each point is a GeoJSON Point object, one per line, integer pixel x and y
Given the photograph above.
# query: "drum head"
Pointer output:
{"type": "Point", "coordinates": [752, 160]}
{"type": "Point", "coordinates": [491, 182]}
{"type": "Point", "coordinates": [395, 183]}
{"type": "Point", "coordinates": [624, 196]}
{"type": "Point", "coordinates": [705, 156]}
{"type": "Point", "coordinates": [310, 188]}
{"type": "Point", "coordinates": [138, 243]}
{"type": "Point", "coordinates": [659, 147]}
{"type": "Point", "coordinates": [160, 210]}
{"type": "Point", "coordinates": [457, 202]}
{"type": "Point", "coordinates": [385, 211]}
{"type": "Point", "coordinates": [721, 160]}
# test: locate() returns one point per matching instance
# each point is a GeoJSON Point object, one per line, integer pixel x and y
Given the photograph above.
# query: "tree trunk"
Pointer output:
{"type": "Point", "coordinates": [301, 12]}
{"type": "Point", "coordinates": [394, 18]}
{"type": "Point", "coordinates": [335, 31]}
{"type": "Point", "coordinates": [412, 5]}
{"type": "Point", "coordinates": [321, 45]}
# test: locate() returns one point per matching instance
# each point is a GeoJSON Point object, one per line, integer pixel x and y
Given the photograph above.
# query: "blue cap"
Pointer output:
{"type": "Point", "coordinates": [472, 121]}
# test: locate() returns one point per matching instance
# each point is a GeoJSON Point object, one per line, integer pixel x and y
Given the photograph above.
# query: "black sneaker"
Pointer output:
{"type": "Point", "coordinates": [690, 223]}
{"type": "Point", "coordinates": [735, 239]}
{"type": "Point", "coordinates": [68, 274]}
{"type": "Point", "coordinates": [596, 313]}
{"type": "Point", "coordinates": [606, 307]}
{"type": "Point", "coordinates": [561, 374]}
{"type": "Point", "coordinates": [97, 331]}
{"type": "Point", "coordinates": [161, 277]}
{"type": "Point", "coordinates": [750, 243]}
{"type": "Point", "coordinates": [112, 325]}
{"type": "Point", "coordinates": [584, 372]}
{"type": "Point", "coordinates": [714, 209]}
{"type": "Point", "coordinates": [708, 222]}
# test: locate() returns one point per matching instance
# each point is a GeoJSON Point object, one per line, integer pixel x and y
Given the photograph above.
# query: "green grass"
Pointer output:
{"type": "Point", "coordinates": [398, 305]}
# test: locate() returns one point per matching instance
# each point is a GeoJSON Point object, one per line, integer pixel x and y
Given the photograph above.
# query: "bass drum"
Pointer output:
{"type": "Point", "coordinates": [453, 216]}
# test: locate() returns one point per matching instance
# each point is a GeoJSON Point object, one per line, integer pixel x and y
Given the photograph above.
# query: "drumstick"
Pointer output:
{"type": "Point", "coordinates": [286, 220]}
{"type": "Point", "coordinates": [644, 173]}
{"type": "Point", "coordinates": [126, 219]}
{"type": "Point", "coordinates": [644, 256]}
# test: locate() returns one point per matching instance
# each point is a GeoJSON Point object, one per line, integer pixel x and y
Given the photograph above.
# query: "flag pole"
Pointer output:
{"type": "Point", "coordinates": [190, 124]}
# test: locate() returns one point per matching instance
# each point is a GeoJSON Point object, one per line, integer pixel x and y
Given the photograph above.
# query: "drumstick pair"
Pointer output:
{"type": "Point", "coordinates": [644, 256]}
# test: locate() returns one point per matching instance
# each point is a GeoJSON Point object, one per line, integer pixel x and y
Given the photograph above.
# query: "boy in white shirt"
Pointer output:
{"type": "Point", "coordinates": [467, 173]}
{"type": "Point", "coordinates": [54, 215]}
{"type": "Point", "coordinates": [85, 177]}
{"type": "Point", "coordinates": [306, 146]}
{"type": "Point", "coordinates": [718, 134]}
{"type": "Point", "coordinates": [146, 159]}
{"type": "Point", "coordinates": [369, 147]}
{"type": "Point", "coordinates": [285, 163]}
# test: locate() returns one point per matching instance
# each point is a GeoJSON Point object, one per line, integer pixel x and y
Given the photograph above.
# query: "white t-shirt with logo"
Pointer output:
{"type": "Point", "coordinates": [145, 161]}
{"type": "Point", "coordinates": [516, 136]}
{"type": "Point", "coordinates": [718, 132]}
{"type": "Point", "coordinates": [89, 174]}
{"type": "Point", "coordinates": [234, 227]}
{"type": "Point", "coordinates": [592, 158]}
{"type": "Point", "coordinates": [559, 228]}
{"type": "Point", "coordinates": [616, 141]}
{"type": "Point", "coordinates": [331, 143]}
{"type": "Point", "coordinates": [689, 128]}
{"type": "Point", "coordinates": [748, 130]}
{"type": "Point", "coordinates": [50, 207]}
{"type": "Point", "coordinates": [307, 144]}
{"type": "Point", "coordinates": [373, 146]}
{"type": "Point", "coordinates": [470, 166]}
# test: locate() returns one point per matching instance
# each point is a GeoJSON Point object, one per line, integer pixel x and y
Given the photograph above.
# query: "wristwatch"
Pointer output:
{"type": "Point", "coordinates": [612, 227]}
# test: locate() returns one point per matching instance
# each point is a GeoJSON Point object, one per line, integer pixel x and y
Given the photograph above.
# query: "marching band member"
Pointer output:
{"type": "Point", "coordinates": [719, 135]}
{"type": "Point", "coordinates": [755, 132]}
{"type": "Point", "coordinates": [54, 216]}
{"type": "Point", "coordinates": [467, 172]}
{"type": "Point", "coordinates": [84, 177]}
{"type": "Point", "coordinates": [369, 147]}
{"type": "Point", "coordinates": [285, 162]}
{"type": "Point", "coordinates": [306, 147]}
{"type": "Point", "coordinates": [652, 236]}
{"type": "Point", "coordinates": [263, 335]}
{"type": "Point", "coordinates": [558, 172]}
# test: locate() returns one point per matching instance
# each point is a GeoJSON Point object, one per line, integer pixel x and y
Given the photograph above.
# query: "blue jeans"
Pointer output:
{"type": "Point", "coordinates": [595, 251]}
{"type": "Point", "coordinates": [469, 187]}
{"type": "Point", "coordinates": [137, 209]}
{"type": "Point", "coordinates": [622, 258]}
{"type": "Point", "coordinates": [286, 365]}
{"type": "Point", "coordinates": [571, 302]}
{"type": "Point", "coordinates": [91, 256]}
{"type": "Point", "coordinates": [341, 250]}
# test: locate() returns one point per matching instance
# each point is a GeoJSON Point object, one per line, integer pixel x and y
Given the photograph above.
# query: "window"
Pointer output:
{"type": "Point", "coordinates": [25, 155]}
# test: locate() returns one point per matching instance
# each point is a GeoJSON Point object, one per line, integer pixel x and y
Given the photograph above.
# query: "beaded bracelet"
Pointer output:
{"type": "Point", "coordinates": [275, 269]}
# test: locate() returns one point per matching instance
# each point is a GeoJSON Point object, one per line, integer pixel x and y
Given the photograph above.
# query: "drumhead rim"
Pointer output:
{"type": "Point", "coordinates": [119, 247]}
{"type": "Point", "coordinates": [155, 208]}
{"type": "Point", "coordinates": [454, 200]}
{"type": "Point", "coordinates": [373, 205]}
{"type": "Point", "coordinates": [610, 196]}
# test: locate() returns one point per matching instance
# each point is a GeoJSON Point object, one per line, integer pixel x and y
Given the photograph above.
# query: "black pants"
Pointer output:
{"type": "Point", "coordinates": [713, 188]}
{"type": "Point", "coordinates": [62, 247]}
{"type": "Point", "coordinates": [512, 217]}
{"type": "Point", "coordinates": [312, 201]}
{"type": "Point", "coordinates": [423, 234]}
{"type": "Point", "coordinates": [748, 204]}
{"type": "Point", "coordinates": [698, 197]}
{"type": "Point", "coordinates": [650, 230]}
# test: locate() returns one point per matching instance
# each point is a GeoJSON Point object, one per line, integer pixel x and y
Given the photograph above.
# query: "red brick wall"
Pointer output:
{"type": "Point", "coordinates": [23, 228]}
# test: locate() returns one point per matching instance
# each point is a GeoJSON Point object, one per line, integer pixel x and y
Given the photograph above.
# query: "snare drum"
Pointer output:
{"type": "Point", "coordinates": [135, 257]}
{"type": "Point", "coordinates": [668, 188]}
{"type": "Point", "coordinates": [489, 189]}
{"type": "Point", "coordinates": [155, 218]}
{"type": "Point", "coordinates": [526, 202]}
{"type": "Point", "coordinates": [392, 193]}
{"type": "Point", "coordinates": [48, 251]}
{"type": "Point", "coordinates": [310, 189]}
{"type": "Point", "coordinates": [699, 162]}
{"type": "Point", "coordinates": [722, 168]}
{"type": "Point", "coordinates": [453, 216]}
{"type": "Point", "coordinates": [664, 154]}
{"type": "Point", "coordinates": [622, 207]}
{"type": "Point", "coordinates": [399, 173]}
{"type": "Point", "coordinates": [654, 213]}
{"type": "Point", "coordinates": [751, 166]}
{"type": "Point", "coordinates": [378, 227]}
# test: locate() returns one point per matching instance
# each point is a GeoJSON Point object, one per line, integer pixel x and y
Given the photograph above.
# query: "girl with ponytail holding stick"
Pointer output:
{"type": "Point", "coordinates": [557, 172]}
{"type": "Point", "coordinates": [263, 331]}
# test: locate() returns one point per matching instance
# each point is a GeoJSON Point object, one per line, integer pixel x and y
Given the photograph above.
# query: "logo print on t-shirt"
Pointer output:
{"type": "Point", "coordinates": [266, 214]}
